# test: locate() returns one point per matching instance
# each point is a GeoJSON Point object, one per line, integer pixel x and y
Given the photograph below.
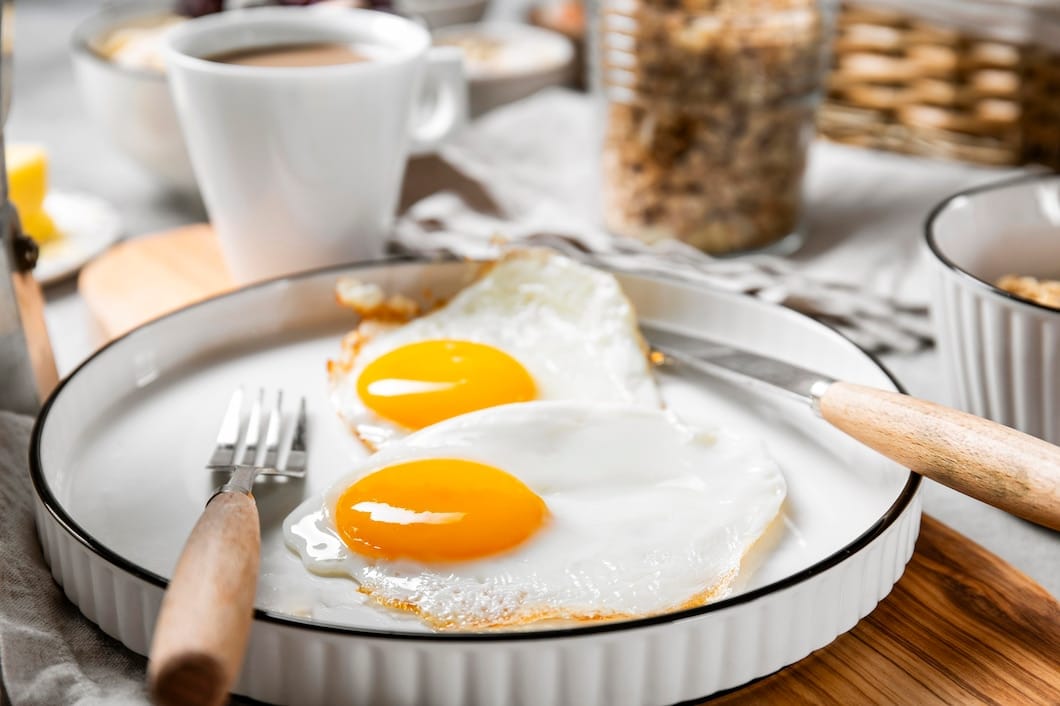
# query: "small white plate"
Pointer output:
{"type": "Point", "coordinates": [512, 60]}
{"type": "Point", "coordinates": [442, 13]}
{"type": "Point", "coordinates": [89, 226]}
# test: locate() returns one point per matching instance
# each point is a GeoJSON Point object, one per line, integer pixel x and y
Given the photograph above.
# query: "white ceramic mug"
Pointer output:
{"type": "Point", "coordinates": [302, 167]}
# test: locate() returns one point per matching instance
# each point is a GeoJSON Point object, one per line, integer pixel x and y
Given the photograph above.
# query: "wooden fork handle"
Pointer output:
{"type": "Point", "coordinates": [204, 622]}
{"type": "Point", "coordinates": [1006, 468]}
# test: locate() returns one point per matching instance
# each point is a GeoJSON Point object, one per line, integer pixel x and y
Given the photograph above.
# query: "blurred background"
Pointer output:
{"type": "Point", "coordinates": [50, 109]}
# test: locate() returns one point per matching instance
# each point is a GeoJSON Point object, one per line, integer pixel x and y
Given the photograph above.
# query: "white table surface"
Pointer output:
{"type": "Point", "coordinates": [865, 222]}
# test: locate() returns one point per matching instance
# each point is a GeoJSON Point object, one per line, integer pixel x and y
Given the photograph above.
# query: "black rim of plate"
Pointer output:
{"type": "Point", "coordinates": [59, 514]}
{"type": "Point", "coordinates": [982, 284]}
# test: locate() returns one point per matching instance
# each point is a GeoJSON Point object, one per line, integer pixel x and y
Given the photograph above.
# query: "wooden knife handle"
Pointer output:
{"type": "Point", "coordinates": [204, 622]}
{"type": "Point", "coordinates": [1006, 468]}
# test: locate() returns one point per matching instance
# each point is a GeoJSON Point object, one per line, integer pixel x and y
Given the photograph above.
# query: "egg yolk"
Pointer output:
{"type": "Point", "coordinates": [438, 510]}
{"type": "Point", "coordinates": [425, 382]}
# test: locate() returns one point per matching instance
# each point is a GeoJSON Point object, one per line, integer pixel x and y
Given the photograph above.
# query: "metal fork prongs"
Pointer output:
{"type": "Point", "coordinates": [235, 451]}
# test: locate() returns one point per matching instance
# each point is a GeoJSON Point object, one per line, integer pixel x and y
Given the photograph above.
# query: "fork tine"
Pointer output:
{"type": "Point", "coordinates": [230, 443]}
{"type": "Point", "coordinates": [224, 452]}
{"type": "Point", "coordinates": [250, 450]}
{"type": "Point", "coordinates": [296, 458]}
{"type": "Point", "coordinates": [272, 432]}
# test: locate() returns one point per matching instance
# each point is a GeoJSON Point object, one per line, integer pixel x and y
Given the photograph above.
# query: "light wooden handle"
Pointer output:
{"type": "Point", "coordinates": [985, 460]}
{"type": "Point", "coordinates": [204, 622]}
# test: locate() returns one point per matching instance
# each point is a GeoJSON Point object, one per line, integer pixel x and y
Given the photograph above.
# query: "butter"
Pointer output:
{"type": "Point", "coordinates": [27, 184]}
{"type": "Point", "coordinates": [39, 226]}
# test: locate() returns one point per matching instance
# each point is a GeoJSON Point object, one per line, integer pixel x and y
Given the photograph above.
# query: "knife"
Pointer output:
{"type": "Point", "coordinates": [988, 461]}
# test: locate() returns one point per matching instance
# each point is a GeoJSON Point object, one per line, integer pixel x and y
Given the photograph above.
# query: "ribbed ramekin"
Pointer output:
{"type": "Point", "coordinates": [1001, 353]}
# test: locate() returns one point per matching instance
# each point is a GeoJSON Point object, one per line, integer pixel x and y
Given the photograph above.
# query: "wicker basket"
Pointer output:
{"type": "Point", "coordinates": [914, 85]}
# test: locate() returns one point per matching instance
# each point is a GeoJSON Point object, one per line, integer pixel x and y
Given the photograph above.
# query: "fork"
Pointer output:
{"type": "Point", "coordinates": [204, 621]}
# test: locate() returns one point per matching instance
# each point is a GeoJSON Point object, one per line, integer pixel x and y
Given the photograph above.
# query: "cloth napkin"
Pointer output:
{"type": "Point", "coordinates": [537, 162]}
{"type": "Point", "coordinates": [49, 653]}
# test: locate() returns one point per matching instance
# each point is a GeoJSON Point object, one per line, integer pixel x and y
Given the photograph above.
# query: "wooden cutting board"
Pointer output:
{"type": "Point", "coordinates": [961, 626]}
{"type": "Point", "coordinates": [142, 279]}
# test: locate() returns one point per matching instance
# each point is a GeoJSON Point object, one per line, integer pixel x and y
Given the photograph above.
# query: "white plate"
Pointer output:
{"type": "Point", "coordinates": [89, 226]}
{"type": "Point", "coordinates": [442, 13]}
{"type": "Point", "coordinates": [116, 462]}
{"type": "Point", "coordinates": [526, 60]}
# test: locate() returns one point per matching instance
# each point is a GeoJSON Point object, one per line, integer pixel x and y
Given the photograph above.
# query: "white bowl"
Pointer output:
{"type": "Point", "coordinates": [132, 106]}
{"type": "Point", "coordinates": [529, 60]}
{"type": "Point", "coordinates": [1001, 353]}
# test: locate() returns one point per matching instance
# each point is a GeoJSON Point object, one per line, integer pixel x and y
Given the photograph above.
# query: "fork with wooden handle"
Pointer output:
{"type": "Point", "coordinates": [204, 622]}
{"type": "Point", "coordinates": [985, 460]}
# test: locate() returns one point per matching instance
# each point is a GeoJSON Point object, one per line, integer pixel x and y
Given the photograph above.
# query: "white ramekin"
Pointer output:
{"type": "Point", "coordinates": [1001, 353]}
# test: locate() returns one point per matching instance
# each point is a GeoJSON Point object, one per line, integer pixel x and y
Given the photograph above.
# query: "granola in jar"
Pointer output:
{"type": "Point", "coordinates": [709, 108]}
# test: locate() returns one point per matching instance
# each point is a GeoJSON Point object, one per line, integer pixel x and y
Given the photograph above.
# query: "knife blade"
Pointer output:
{"type": "Point", "coordinates": [1006, 468]}
{"type": "Point", "coordinates": [737, 365]}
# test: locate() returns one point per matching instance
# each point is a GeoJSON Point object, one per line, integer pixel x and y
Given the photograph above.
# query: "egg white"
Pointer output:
{"type": "Point", "coordinates": [647, 516]}
{"type": "Point", "coordinates": [568, 324]}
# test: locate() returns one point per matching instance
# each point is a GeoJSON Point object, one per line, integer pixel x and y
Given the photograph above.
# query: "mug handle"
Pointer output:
{"type": "Point", "coordinates": [443, 100]}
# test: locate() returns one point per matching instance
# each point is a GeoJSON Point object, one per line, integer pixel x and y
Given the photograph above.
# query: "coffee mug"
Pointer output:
{"type": "Point", "coordinates": [301, 166]}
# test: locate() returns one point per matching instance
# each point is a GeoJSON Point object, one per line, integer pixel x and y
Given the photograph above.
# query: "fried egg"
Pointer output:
{"type": "Point", "coordinates": [544, 511]}
{"type": "Point", "coordinates": [534, 326]}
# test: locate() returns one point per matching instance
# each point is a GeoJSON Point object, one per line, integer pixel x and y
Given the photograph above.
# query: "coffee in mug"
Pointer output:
{"type": "Point", "coordinates": [289, 55]}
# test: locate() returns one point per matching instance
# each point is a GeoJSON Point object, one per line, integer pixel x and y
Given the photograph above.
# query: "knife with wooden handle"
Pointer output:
{"type": "Point", "coordinates": [985, 460]}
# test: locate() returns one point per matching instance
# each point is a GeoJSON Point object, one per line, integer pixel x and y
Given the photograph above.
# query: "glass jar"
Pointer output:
{"type": "Point", "coordinates": [708, 110]}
